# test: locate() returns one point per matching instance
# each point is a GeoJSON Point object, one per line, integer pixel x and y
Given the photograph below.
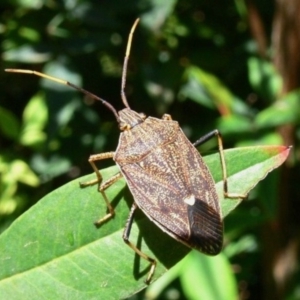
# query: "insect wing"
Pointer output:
{"type": "Point", "coordinates": [175, 189]}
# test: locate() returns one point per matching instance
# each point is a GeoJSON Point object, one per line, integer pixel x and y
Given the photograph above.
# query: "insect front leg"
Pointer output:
{"type": "Point", "coordinates": [92, 160]}
{"type": "Point", "coordinates": [126, 235]}
{"type": "Point", "coordinates": [102, 186]}
{"type": "Point", "coordinates": [204, 139]}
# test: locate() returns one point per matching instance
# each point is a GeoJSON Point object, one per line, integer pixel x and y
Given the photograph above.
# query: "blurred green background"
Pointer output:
{"type": "Point", "coordinates": [231, 65]}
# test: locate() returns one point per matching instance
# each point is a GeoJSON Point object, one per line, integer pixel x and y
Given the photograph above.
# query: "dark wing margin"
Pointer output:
{"type": "Point", "coordinates": [206, 228]}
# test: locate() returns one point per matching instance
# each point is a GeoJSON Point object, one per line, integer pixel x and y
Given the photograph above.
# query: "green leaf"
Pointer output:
{"type": "Point", "coordinates": [160, 11]}
{"type": "Point", "coordinates": [283, 111]}
{"type": "Point", "coordinates": [245, 168]}
{"type": "Point", "coordinates": [35, 4]}
{"type": "Point", "coordinates": [9, 124]}
{"type": "Point", "coordinates": [20, 171]}
{"type": "Point", "coordinates": [207, 90]}
{"type": "Point", "coordinates": [26, 54]}
{"type": "Point", "coordinates": [35, 117]}
{"type": "Point", "coordinates": [54, 250]}
{"type": "Point", "coordinates": [213, 274]}
{"type": "Point", "coordinates": [233, 123]}
{"type": "Point", "coordinates": [264, 78]}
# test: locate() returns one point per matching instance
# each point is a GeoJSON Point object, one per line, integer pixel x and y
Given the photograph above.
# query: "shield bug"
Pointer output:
{"type": "Point", "coordinates": [165, 173]}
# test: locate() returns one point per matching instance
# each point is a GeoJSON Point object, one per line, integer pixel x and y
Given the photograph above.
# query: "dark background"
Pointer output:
{"type": "Point", "coordinates": [231, 65]}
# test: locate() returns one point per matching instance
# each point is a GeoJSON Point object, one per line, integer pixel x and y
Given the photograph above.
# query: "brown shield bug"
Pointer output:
{"type": "Point", "coordinates": [165, 173]}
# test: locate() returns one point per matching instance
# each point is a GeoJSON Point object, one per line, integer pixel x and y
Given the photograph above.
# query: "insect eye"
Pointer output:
{"type": "Point", "coordinates": [143, 116]}
{"type": "Point", "coordinates": [124, 126]}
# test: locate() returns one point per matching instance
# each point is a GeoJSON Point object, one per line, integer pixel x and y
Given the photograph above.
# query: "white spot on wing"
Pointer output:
{"type": "Point", "coordinates": [190, 200]}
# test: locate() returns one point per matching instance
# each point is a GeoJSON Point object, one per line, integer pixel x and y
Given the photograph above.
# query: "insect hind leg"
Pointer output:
{"type": "Point", "coordinates": [204, 139]}
{"type": "Point", "coordinates": [126, 235]}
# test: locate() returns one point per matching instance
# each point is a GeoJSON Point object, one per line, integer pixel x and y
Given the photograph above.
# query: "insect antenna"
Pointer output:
{"type": "Point", "coordinates": [91, 95]}
{"type": "Point", "coordinates": [64, 82]}
{"type": "Point", "coordinates": [126, 58]}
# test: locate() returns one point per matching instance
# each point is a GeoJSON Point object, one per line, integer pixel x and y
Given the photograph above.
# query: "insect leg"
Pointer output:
{"type": "Point", "coordinates": [104, 185]}
{"type": "Point", "coordinates": [92, 159]}
{"type": "Point", "coordinates": [126, 234]}
{"type": "Point", "coordinates": [204, 139]}
{"type": "Point", "coordinates": [101, 189]}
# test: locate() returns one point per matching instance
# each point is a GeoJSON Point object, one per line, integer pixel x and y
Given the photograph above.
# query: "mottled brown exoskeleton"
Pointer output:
{"type": "Point", "coordinates": [165, 173]}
